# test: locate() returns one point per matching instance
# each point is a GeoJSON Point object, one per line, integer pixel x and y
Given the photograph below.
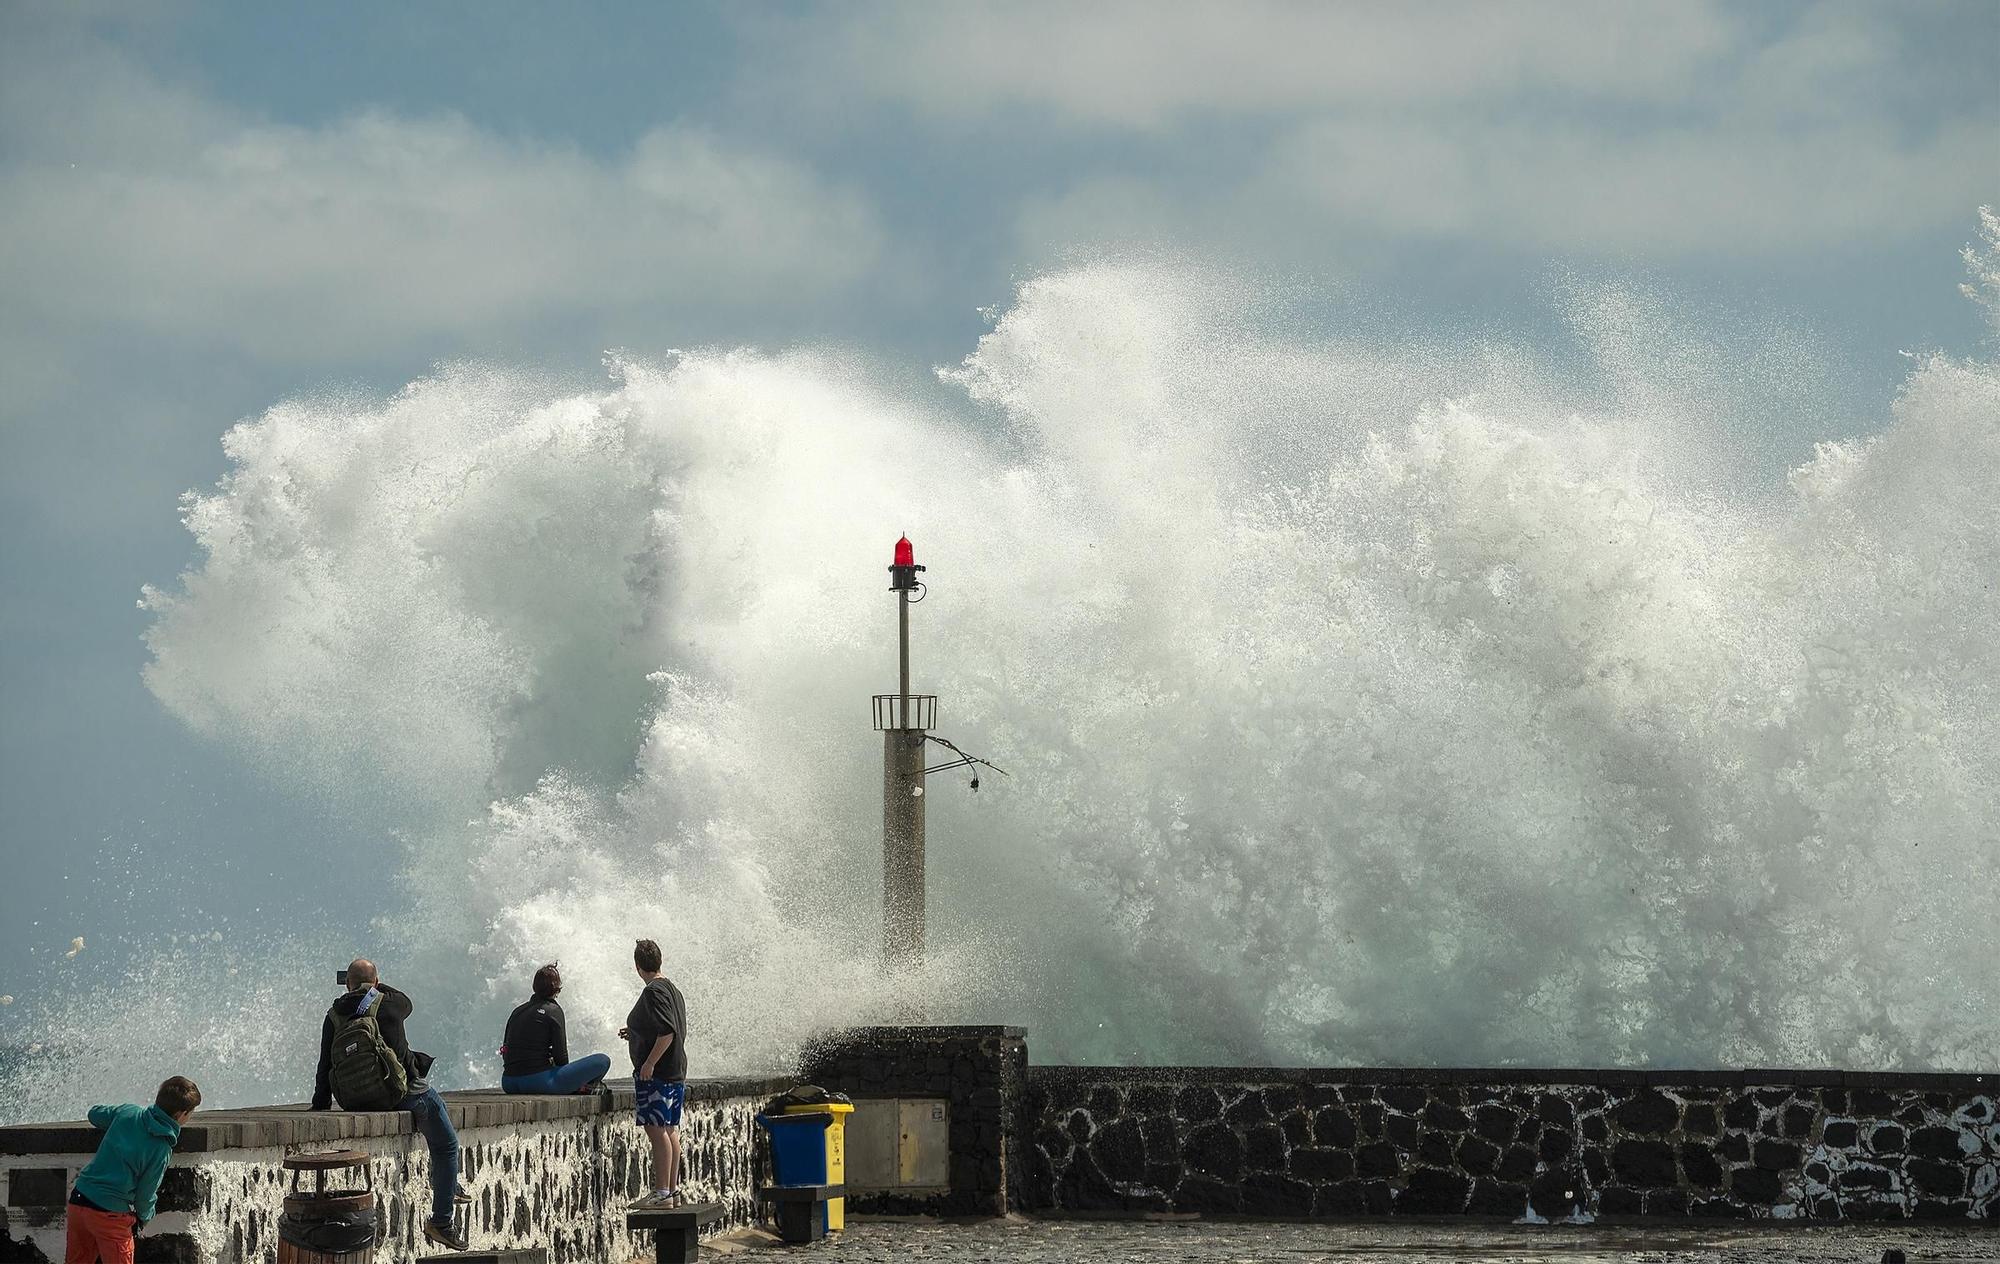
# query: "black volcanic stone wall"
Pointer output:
{"type": "Point", "coordinates": [981, 1071]}
{"type": "Point", "coordinates": [1289, 1143]}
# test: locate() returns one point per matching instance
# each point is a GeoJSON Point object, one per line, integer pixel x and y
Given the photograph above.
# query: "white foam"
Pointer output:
{"type": "Point", "coordinates": [1365, 703]}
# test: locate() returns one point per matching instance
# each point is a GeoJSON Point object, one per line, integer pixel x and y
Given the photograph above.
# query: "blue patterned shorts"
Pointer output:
{"type": "Point", "coordinates": [659, 1102]}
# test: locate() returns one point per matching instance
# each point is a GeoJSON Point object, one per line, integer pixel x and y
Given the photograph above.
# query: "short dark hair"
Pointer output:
{"type": "Point", "coordinates": [178, 1095]}
{"type": "Point", "coordinates": [548, 982]}
{"type": "Point", "coordinates": [646, 955]}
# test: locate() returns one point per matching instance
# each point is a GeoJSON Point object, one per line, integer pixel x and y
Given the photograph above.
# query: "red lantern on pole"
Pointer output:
{"type": "Point", "coordinates": [903, 571]}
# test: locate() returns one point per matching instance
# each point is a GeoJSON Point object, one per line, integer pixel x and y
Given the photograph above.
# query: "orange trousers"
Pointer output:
{"type": "Point", "coordinates": [98, 1235]}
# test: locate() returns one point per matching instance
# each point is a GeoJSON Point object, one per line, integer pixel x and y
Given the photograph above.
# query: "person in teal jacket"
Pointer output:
{"type": "Point", "coordinates": [115, 1195]}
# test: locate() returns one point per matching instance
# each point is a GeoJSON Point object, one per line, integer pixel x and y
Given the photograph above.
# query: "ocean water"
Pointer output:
{"type": "Point", "coordinates": [1368, 700]}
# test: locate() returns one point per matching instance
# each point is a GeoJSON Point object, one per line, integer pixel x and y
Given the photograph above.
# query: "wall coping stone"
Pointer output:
{"type": "Point", "coordinates": [1976, 1082]}
{"type": "Point", "coordinates": [258, 1127]}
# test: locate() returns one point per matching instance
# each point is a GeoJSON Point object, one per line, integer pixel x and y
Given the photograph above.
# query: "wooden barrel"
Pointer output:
{"type": "Point", "coordinates": [339, 1223]}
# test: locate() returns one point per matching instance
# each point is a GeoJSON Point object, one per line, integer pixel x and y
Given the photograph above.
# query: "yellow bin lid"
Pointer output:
{"type": "Point", "coordinates": [818, 1108]}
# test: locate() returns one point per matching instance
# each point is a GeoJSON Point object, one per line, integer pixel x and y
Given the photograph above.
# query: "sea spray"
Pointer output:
{"type": "Point", "coordinates": [1366, 703]}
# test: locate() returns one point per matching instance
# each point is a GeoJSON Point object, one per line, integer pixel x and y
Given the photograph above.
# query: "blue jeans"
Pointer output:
{"type": "Point", "coordinates": [428, 1113]}
{"type": "Point", "coordinates": [567, 1078]}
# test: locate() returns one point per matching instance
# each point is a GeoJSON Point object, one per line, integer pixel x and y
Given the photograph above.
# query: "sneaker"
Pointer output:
{"type": "Point", "coordinates": [461, 1195]}
{"type": "Point", "coordinates": [652, 1198]}
{"type": "Point", "coordinates": [445, 1235]}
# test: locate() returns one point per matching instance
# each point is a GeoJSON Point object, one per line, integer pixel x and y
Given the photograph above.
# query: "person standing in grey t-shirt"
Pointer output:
{"type": "Point", "coordinates": [656, 1036]}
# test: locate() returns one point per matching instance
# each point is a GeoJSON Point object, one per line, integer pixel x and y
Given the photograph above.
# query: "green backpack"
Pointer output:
{"type": "Point", "coordinates": [367, 1074]}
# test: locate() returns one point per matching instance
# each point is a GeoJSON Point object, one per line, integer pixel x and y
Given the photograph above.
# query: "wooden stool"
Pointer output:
{"type": "Point", "coordinates": [676, 1230]}
{"type": "Point", "coordinates": [801, 1209]}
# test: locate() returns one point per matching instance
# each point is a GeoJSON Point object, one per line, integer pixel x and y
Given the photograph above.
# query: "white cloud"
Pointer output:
{"type": "Point", "coordinates": [136, 204]}
{"type": "Point", "coordinates": [1336, 191]}
{"type": "Point", "coordinates": [1132, 62]}
{"type": "Point", "coordinates": [1651, 130]}
{"type": "Point", "coordinates": [1583, 188]}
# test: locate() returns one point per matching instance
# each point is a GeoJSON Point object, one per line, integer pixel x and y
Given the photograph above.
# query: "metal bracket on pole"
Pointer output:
{"type": "Point", "coordinates": [963, 761]}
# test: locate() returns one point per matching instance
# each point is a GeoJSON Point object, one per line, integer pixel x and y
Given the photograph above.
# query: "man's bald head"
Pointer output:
{"type": "Point", "coordinates": [361, 974]}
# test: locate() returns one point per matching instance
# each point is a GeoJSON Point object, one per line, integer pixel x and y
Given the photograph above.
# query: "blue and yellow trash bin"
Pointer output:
{"type": "Point", "coordinates": [833, 1163]}
{"type": "Point", "coordinates": [809, 1147]}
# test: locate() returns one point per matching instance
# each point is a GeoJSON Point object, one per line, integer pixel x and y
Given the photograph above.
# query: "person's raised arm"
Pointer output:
{"type": "Point", "coordinates": [391, 1011]}
{"type": "Point", "coordinates": [101, 1116]}
{"type": "Point", "coordinates": [395, 1004]}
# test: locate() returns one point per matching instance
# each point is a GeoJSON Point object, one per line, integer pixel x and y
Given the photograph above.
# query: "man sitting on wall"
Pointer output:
{"type": "Point", "coordinates": [365, 1061]}
{"type": "Point", "coordinates": [656, 1034]}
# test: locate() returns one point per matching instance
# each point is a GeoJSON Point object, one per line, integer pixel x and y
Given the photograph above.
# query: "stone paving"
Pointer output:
{"type": "Point", "coordinates": [1026, 1241]}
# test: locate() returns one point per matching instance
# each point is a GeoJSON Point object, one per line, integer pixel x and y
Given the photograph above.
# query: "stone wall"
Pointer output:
{"type": "Point", "coordinates": [556, 1172]}
{"type": "Point", "coordinates": [1293, 1143]}
{"type": "Point", "coordinates": [980, 1071]}
{"type": "Point", "coordinates": [553, 1172]}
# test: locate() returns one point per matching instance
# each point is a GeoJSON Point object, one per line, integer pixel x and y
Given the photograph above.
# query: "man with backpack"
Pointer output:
{"type": "Point", "coordinates": [365, 1063]}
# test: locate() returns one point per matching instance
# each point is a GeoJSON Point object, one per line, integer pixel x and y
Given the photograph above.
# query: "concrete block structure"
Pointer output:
{"type": "Point", "coordinates": [978, 1075]}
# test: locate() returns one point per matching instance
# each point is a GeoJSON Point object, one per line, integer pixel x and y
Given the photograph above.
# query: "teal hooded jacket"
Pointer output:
{"type": "Point", "coordinates": [125, 1174]}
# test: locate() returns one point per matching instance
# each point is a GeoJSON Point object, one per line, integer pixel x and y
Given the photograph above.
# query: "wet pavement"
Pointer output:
{"type": "Point", "coordinates": [1018, 1241]}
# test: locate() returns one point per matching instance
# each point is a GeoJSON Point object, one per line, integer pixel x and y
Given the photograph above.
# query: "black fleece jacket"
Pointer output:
{"type": "Point", "coordinates": [390, 1012]}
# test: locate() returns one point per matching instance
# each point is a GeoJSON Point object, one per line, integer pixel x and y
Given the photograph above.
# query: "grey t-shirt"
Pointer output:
{"type": "Point", "coordinates": [660, 1010]}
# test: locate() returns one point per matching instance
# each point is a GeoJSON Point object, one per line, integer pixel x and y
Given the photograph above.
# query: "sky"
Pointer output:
{"type": "Point", "coordinates": [205, 209]}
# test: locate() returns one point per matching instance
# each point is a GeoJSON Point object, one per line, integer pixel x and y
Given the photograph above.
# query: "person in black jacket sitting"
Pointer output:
{"type": "Point", "coordinates": [536, 1053]}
